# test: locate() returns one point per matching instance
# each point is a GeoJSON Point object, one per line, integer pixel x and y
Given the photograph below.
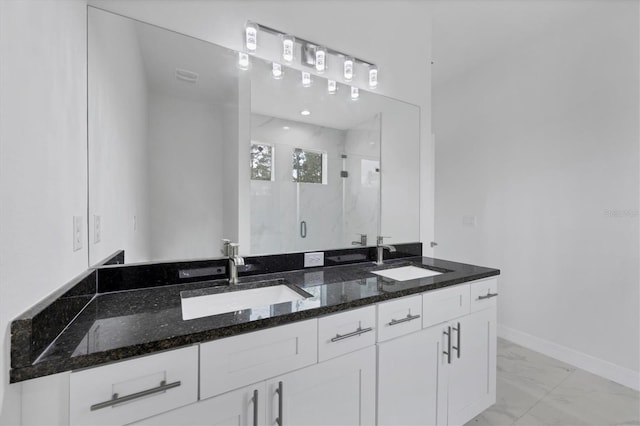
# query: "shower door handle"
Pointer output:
{"type": "Point", "coordinates": [303, 229]}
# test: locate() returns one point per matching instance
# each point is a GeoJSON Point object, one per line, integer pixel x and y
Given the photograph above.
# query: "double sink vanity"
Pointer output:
{"type": "Point", "coordinates": [411, 341]}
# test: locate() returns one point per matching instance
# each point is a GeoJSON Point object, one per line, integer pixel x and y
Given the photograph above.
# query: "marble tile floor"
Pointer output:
{"type": "Point", "coordinates": [533, 389]}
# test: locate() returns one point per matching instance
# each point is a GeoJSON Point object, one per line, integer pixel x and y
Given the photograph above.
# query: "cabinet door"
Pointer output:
{"type": "Point", "coordinates": [471, 374]}
{"type": "Point", "coordinates": [236, 408]}
{"type": "Point", "coordinates": [340, 391]}
{"type": "Point", "coordinates": [408, 379]}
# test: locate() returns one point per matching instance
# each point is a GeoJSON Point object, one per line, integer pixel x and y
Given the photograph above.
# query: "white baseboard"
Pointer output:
{"type": "Point", "coordinates": [606, 369]}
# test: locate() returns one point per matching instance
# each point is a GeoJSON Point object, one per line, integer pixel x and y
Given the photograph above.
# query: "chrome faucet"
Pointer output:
{"type": "Point", "coordinates": [362, 242]}
{"type": "Point", "coordinates": [380, 250]}
{"type": "Point", "coordinates": [234, 261]}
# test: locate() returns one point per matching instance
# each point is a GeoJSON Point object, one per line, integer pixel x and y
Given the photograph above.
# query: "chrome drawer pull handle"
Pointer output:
{"type": "Point", "coordinates": [358, 332]}
{"type": "Point", "coordinates": [458, 329]}
{"type": "Point", "coordinates": [255, 407]}
{"type": "Point", "coordinates": [448, 351]}
{"type": "Point", "coordinates": [488, 296]}
{"type": "Point", "coordinates": [120, 399]}
{"type": "Point", "coordinates": [280, 392]}
{"type": "Point", "coordinates": [408, 318]}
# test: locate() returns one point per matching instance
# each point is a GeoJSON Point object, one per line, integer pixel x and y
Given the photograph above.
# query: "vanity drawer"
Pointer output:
{"type": "Point", "coordinates": [399, 317]}
{"type": "Point", "coordinates": [234, 362]}
{"type": "Point", "coordinates": [445, 304]}
{"type": "Point", "coordinates": [484, 294]}
{"type": "Point", "coordinates": [144, 386]}
{"type": "Point", "coordinates": [346, 332]}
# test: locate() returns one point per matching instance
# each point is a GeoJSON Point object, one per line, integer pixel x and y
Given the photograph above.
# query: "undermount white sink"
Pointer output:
{"type": "Point", "coordinates": [406, 273]}
{"type": "Point", "coordinates": [231, 301]}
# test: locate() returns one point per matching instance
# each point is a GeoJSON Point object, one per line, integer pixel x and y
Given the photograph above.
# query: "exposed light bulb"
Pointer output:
{"type": "Point", "coordinates": [305, 112]}
{"type": "Point", "coordinates": [348, 68]}
{"type": "Point", "coordinates": [251, 36]}
{"type": "Point", "coordinates": [306, 79]}
{"type": "Point", "coordinates": [321, 59]}
{"type": "Point", "coordinates": [243, 61]}
{"type": "Point", "coordinates": [373, 76]}
{"type": "Point", "coordinates": [355, 93]}
{"type": "Point", "coordinates": [276, 70]}
{"type": "Point", "coordinates": [332, 87]}
{"type": "Point", "coordinates": [287, 47]}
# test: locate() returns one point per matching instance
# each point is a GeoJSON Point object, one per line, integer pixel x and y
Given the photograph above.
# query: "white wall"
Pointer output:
{"type": "Point", "coordinates": [185, 178]}
{"type": "Point", "coordinates": [537, 139]}
{"type": "Point", "coordinates": [43, 140]}
{"type": "Point", "coordinates": [118, 114]}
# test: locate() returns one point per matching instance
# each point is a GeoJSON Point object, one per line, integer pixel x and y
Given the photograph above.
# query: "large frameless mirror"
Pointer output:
{"type": "Point", "coordinates": [186, 149]}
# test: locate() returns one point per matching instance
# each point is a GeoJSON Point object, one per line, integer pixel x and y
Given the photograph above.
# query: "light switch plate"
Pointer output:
{"type": "Point", "coordinates": [77, 233]}
{"type": "Point", "coordinates": [312, 259]}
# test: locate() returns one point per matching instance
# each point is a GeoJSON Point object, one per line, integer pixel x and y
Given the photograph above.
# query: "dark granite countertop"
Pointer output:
{"type": "Point", "coordinates": [119, 325]}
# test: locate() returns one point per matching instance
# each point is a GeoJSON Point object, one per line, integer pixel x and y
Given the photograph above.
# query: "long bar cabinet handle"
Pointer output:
{"type": "Point", "coordinates": [458, 330]}
{"type": "Point", "coordinates": [408, 318]}
{"type": "Point", "coordinates": [448, 351]}
{"type": "Point", "coordinates": [255, 407]}
{"type": "Point", "coordinates": [358, 332]}
{"type": "Point", "coordinates": [279, 391]}
{"type": "Point", "coordinates": [488, 296]}
{"type": "Point", "coordinates": [164, 386]}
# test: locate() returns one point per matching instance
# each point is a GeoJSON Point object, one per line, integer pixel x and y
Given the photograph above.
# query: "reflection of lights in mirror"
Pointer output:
{"type": "Point", "coordinates": [276, 70]}
{"type": "Point", "coordinates": [305, 112]}
{"type": "Point", "coordinates": [306, 79]}
{"type": "Point", "coordinates": [286, 128]}
{"type": "Point", "coordinates": [332, 87]}
{"type": "Point", "coordinates": [243, 61]}
{"type": "Point", "coordinates": [355, 93]}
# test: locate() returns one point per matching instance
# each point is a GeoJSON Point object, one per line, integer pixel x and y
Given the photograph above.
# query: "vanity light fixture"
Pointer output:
{"type": "Point", "coordinates": [332, 87]}
{"type": "Point", "coordinates": [306, 79]}
{"type": "Point", "coordinates": [373, 76]}
{"type": "Point", "coordinates": [276, 70]}
{"type": "Point", "coordinates": [355, 93]}
{"type": "Point", "coordinates": [243, 61]}
{"type": "Point", "coordinates": [288, 43]}
{"type": "Point", "coordinates": [251, 36]}
{"type": "Point", "coordinates": [311, 55]}
{"type": "Point", "coordinates": [305, 112]}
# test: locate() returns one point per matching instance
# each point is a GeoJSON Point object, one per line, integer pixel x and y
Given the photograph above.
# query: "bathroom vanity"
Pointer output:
{"type": "Point", "coordinates": [361, 348]}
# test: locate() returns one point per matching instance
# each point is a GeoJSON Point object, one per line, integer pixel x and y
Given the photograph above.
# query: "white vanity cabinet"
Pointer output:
{"type": "Point", "coordinates": [428, 358]}
{"type": "Point", "coordinates": [408, 379]}
{"type": "Point", "coordinates": [445, 373]}
{"type": "Point", "coordinates": [470, 376]}
{"type": "Point", "coordinates": [341, 391]}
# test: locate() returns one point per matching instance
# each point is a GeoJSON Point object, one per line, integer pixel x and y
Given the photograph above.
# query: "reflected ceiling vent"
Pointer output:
{"type": "Point", "coordinates": [186, 75]}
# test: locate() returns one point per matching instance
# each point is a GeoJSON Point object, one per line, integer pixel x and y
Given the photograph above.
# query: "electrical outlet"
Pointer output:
{"type": "Point", "coordinates": [77, 233]}
{"type": "Point", "coordinates": [96, 229]}
{"type": "Point", "coordinates": [314, 259]}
